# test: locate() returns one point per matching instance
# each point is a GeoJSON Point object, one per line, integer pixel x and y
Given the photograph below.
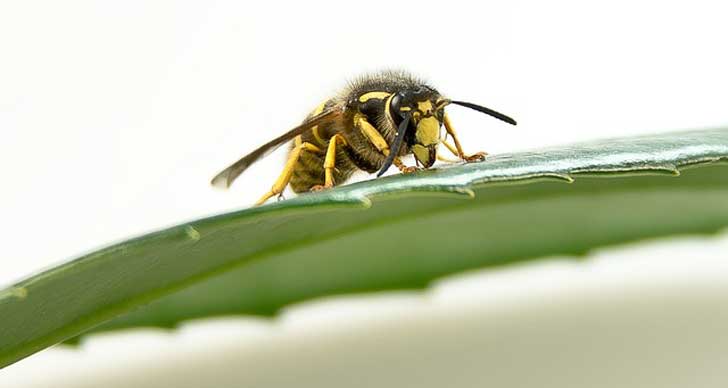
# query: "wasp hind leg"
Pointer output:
{"type": "Point", "coordinates": [330, 162]}
{"type": "Point", "coordinates": [458, 149]}
{"type": "Point", "coordinates": [285, 176]}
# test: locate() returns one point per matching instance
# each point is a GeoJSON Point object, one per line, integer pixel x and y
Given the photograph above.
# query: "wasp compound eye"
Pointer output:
{"type": "Point", "coordinates": [396, 104]}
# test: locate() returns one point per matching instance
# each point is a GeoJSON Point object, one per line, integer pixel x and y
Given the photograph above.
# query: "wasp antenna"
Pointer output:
{"type": "Point", "coordinates": [394, 149]}
{"type": "Point", "coordinates": [488, 111]}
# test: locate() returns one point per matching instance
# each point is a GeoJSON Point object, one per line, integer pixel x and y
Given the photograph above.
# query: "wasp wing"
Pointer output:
{"type": "Point", "coordinates": [228, 175]}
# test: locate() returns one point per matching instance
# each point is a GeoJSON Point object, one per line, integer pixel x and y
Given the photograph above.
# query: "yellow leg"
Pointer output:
{"type": "Point", "coordinates": [376, 138]}
{"type": "Point", "coordinates": [404, 169]}
{"type": "Point", "coordinates": [452, 150]}
{"type": "Point", "coordinates": [450, 147]}
{"type": "Point", "coordinates": [285, 176]}
{"type": "Point", "coordinates": [372, 134]}
{"type": "Point", "coordinates": [330, 161]}
{"type": "Point", "coordinates": [458, 148]}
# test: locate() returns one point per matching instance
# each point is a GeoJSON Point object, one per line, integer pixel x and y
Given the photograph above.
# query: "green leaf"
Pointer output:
{"type": "Point", "coordinates": [390, 233]}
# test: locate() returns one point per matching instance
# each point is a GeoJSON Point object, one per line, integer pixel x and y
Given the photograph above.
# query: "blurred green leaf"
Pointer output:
{"type": "Point", "coordinates": [390, 233]}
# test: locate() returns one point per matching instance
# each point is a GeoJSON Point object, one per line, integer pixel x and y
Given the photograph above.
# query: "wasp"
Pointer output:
{"type": "Point", "coordinates": [370, 125]}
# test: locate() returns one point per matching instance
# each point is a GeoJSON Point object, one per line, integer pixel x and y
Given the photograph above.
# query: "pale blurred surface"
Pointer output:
{"type": "Point", "coordinates": [652, 315]}
{"type": "Point", "coordinates": [114, 116]}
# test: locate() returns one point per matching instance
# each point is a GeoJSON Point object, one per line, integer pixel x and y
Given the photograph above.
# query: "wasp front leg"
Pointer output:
{"type": "Point", "coordinates": [378, 141]}
{"type": "Point", "coordinates": [405, 169]}
{"type": "Point", "coordinates": [371, 134]}
{"type": "Point", "coordinates": [452, 150]}
{"type": "Point", "coordinates": [458, 151]}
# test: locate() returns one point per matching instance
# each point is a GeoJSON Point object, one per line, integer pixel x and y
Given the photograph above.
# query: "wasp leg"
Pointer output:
{"type": "Point", "coordinates": [452, 149]}
{"type": "Point", "coordinates": [372, 134]}
{"type": "Point", "coordinates": [478, 156]}
{"type": "Point", "coordinates": [285, 176]}
{"type": "Point", "coordinates": [376, 138]}
{"type": "Point", "coordinates": [330, 162]}
{"type": "Point", "coordinates": [405, 169]}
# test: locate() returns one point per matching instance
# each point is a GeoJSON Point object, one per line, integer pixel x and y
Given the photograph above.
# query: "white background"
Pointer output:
{"type": "Point", "coordinates": [115, 115]}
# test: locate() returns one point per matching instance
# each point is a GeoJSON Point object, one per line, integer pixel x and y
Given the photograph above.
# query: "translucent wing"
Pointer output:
{"type": "Point", "coordinates": [228, 175]}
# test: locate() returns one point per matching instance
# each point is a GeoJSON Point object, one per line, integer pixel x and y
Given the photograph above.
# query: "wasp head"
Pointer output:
{"type": "Point", "coordinates": [425, 107]}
